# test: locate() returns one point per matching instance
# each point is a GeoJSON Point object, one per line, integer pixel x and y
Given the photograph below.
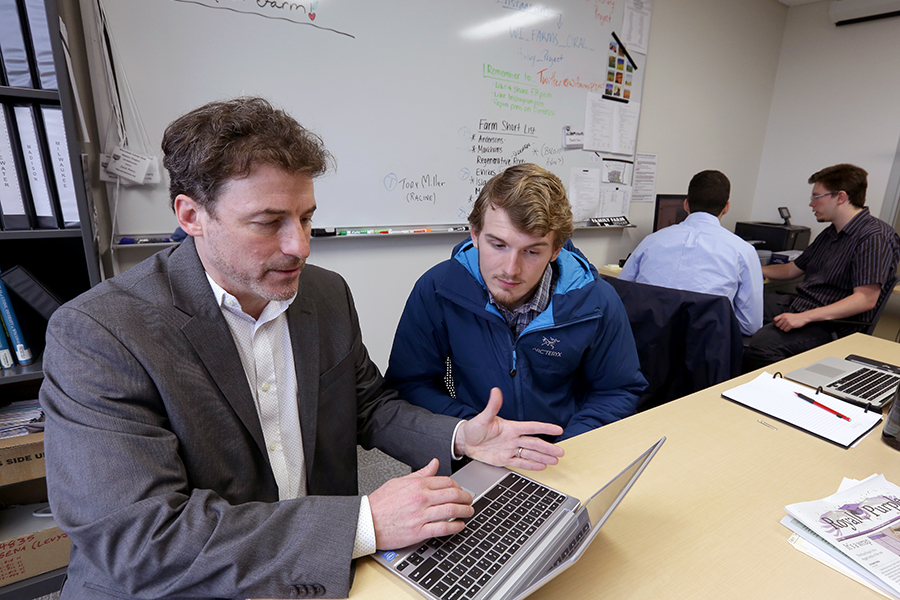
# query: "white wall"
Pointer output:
{"type": "Point", "coordinates": [837, 99]}
{"type": "Point", "coordinates": [711, 70]}
{"type": "Point", "coordinates": [709, 82]}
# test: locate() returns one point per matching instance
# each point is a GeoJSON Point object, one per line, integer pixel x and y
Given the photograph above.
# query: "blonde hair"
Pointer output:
{"type": "Point", "coordinates": [533, 198]}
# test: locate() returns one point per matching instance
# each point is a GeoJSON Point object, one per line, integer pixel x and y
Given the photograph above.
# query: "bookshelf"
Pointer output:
{"type": "Point", "coordinates": [65, 260]}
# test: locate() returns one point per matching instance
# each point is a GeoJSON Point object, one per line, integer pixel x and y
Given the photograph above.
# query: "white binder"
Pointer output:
{"type": "Point", "coordinates": [12, 200]}
{"type": "Point", "coordinates": [62, 166]}
{"type": "Point", "coordinates": [35, 170]}
{"type": "Point", "coordinates": [12, 46]}
{"type": "Point", "coordinates": [36, 12]}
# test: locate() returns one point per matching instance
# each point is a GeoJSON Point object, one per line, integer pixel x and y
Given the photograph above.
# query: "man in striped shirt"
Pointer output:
{"type": "Point", "coordinates": [846, 272]}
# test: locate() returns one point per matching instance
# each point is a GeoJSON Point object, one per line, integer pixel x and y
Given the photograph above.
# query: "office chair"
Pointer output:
{"type": "Point", "coordinates": [686, 341]}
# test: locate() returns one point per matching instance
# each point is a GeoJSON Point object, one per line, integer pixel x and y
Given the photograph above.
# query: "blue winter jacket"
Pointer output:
{"type": "Point", "coordinates": [574, 365]}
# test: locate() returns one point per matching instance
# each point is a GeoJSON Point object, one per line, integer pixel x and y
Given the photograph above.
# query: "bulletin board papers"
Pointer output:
{"type": "Point", "coordinates": [645, 166]}
{"type": "Point", "coordinates": [617, 171]}
{"type": "Point", "coordinates": [572, 139]}
{"type": "Point", "coordinates": [584, 193]}
{"type": "Point", "coordinates": [614, 200]}
{"type": "Point", "coordinates": [636, 29]}
{"type": "Point", "coordinates": [591, 198]}
{"type": "Point", "coordinates": [619, 71]}
{"type": "Point", "coordinates": [610, 126]}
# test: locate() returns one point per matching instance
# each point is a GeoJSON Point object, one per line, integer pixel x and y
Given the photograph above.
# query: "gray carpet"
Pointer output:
{"type": "Point", "coordinates": [376, 467]}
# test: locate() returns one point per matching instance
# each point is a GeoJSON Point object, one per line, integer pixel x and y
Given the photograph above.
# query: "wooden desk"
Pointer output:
{"type": "Point", "coordinates": [703, 520]}
{"type": "Point", "coordinates": [609, 271]}
{"type": "Point", "coordinates": [614, 272]}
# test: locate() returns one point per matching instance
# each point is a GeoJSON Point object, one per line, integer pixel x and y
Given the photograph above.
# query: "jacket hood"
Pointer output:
{"type": "Point", "coordinates": [569, 301]}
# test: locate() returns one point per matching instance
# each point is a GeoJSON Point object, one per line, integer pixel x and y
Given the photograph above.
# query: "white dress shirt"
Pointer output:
{"type": "Point", "coordinates": [700, 255]}
{"type": "Point", "coordinates": [267, 356]}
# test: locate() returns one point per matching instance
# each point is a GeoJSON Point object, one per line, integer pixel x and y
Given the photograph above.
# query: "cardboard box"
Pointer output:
{"type": "Point", "coordinates": [30, 545]}
{"type": "Point", "coordinates": [21, 458]}
{"type": "Point", "coordinates": [32, 491]}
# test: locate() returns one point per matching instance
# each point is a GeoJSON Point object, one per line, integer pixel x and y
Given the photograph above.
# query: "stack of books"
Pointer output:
{"type": "Point", "coordinates": [21, 418]}
{"type": "Point", "coordinates": [14, 347]}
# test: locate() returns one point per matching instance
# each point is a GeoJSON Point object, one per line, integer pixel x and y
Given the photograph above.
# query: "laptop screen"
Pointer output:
{"type": "Point", "coordinates": [597, 510]}
{"type": "Point", "coordinates": [600, 505]}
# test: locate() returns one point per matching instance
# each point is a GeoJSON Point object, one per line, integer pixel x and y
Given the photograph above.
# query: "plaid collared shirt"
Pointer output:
{"type": "Point", "coordinates": [519, 318]}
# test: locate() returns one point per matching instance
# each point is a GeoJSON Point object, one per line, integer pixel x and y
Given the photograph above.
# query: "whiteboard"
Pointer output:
{"type": "Point", "coordinates": [420, 101]}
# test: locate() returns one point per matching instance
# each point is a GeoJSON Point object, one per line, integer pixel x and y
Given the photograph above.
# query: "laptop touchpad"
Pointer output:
{"type": "Point", "coordinates": [825, 370]}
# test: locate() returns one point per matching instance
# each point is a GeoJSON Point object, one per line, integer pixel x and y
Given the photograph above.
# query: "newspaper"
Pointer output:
{"type": "Point", "coordinates": [860, 523]}
{"type": "Point", "coordinates": [21, 418]}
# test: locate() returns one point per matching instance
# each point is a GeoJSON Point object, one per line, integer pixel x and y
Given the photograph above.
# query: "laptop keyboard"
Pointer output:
{"type": "Point", "coordinates": [506, 516]}
{"type": "Point", "coordinates": [867, 384]}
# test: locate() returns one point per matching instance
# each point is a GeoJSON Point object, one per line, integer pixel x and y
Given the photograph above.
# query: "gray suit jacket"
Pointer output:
{"type": "Point", "coordinates": [156, 465]}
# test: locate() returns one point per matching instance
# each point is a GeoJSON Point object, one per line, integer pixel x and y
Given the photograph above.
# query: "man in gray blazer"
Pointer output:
{"type": "Point", "coordinates": [204, 407]}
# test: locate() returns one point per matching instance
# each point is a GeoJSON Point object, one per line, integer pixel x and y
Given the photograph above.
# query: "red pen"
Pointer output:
{"type": "Point", "coordinates": [832, 411]}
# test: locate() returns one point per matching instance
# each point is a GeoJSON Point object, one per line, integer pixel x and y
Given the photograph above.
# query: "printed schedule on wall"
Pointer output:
{"type": "Point", "coordinates": [420, 101]}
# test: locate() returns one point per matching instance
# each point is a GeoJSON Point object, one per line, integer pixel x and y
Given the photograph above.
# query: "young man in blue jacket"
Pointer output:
{"type": "Point", "coordinates": [520, 308]}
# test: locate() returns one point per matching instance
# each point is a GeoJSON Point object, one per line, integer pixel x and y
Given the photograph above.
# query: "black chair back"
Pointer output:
{"type": "Point", "coordinates": [686, 341]}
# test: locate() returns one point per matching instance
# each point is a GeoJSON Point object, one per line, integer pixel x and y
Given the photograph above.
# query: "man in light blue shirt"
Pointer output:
{"type": "Point", "coordinates": [700, 255]}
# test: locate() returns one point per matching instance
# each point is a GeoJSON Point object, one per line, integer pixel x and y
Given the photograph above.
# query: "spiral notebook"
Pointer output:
{"type": "Point", "coordinates": [777, 397]}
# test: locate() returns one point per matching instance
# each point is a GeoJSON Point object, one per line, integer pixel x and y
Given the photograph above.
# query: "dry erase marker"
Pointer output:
{"type": "Point", "coordinates": [146, 240]}
{"type": "Point", "coordinates": [832, 411]}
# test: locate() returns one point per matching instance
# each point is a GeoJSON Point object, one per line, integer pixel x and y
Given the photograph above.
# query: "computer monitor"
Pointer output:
{"type": "Point", "coordinates": [669, 210]}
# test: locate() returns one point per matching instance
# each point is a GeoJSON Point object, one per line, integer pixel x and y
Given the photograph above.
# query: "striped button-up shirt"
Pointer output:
{"type": "Point", "coordinates": [864, 252]}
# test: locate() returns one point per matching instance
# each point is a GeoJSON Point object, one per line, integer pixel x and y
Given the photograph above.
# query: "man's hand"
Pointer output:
{"type": "Point", "coordinates": [787, 321]}
{"type": "Point", "coordinates": [503, 443]}
{"type": "Point", "coordinates": [410, 509]}
{"type": "Point", "coordinates": [864, 298]}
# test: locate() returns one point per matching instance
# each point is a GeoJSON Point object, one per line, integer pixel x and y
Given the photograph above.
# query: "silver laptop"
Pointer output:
{"type": "Point", "coordinates": [522, 535]}
{"type": "Point", "coordinates": [858, 380]}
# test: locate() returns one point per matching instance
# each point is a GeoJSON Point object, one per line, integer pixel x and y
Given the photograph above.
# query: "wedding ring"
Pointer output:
{"type": "Point", "coordinates": [519, 453]}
